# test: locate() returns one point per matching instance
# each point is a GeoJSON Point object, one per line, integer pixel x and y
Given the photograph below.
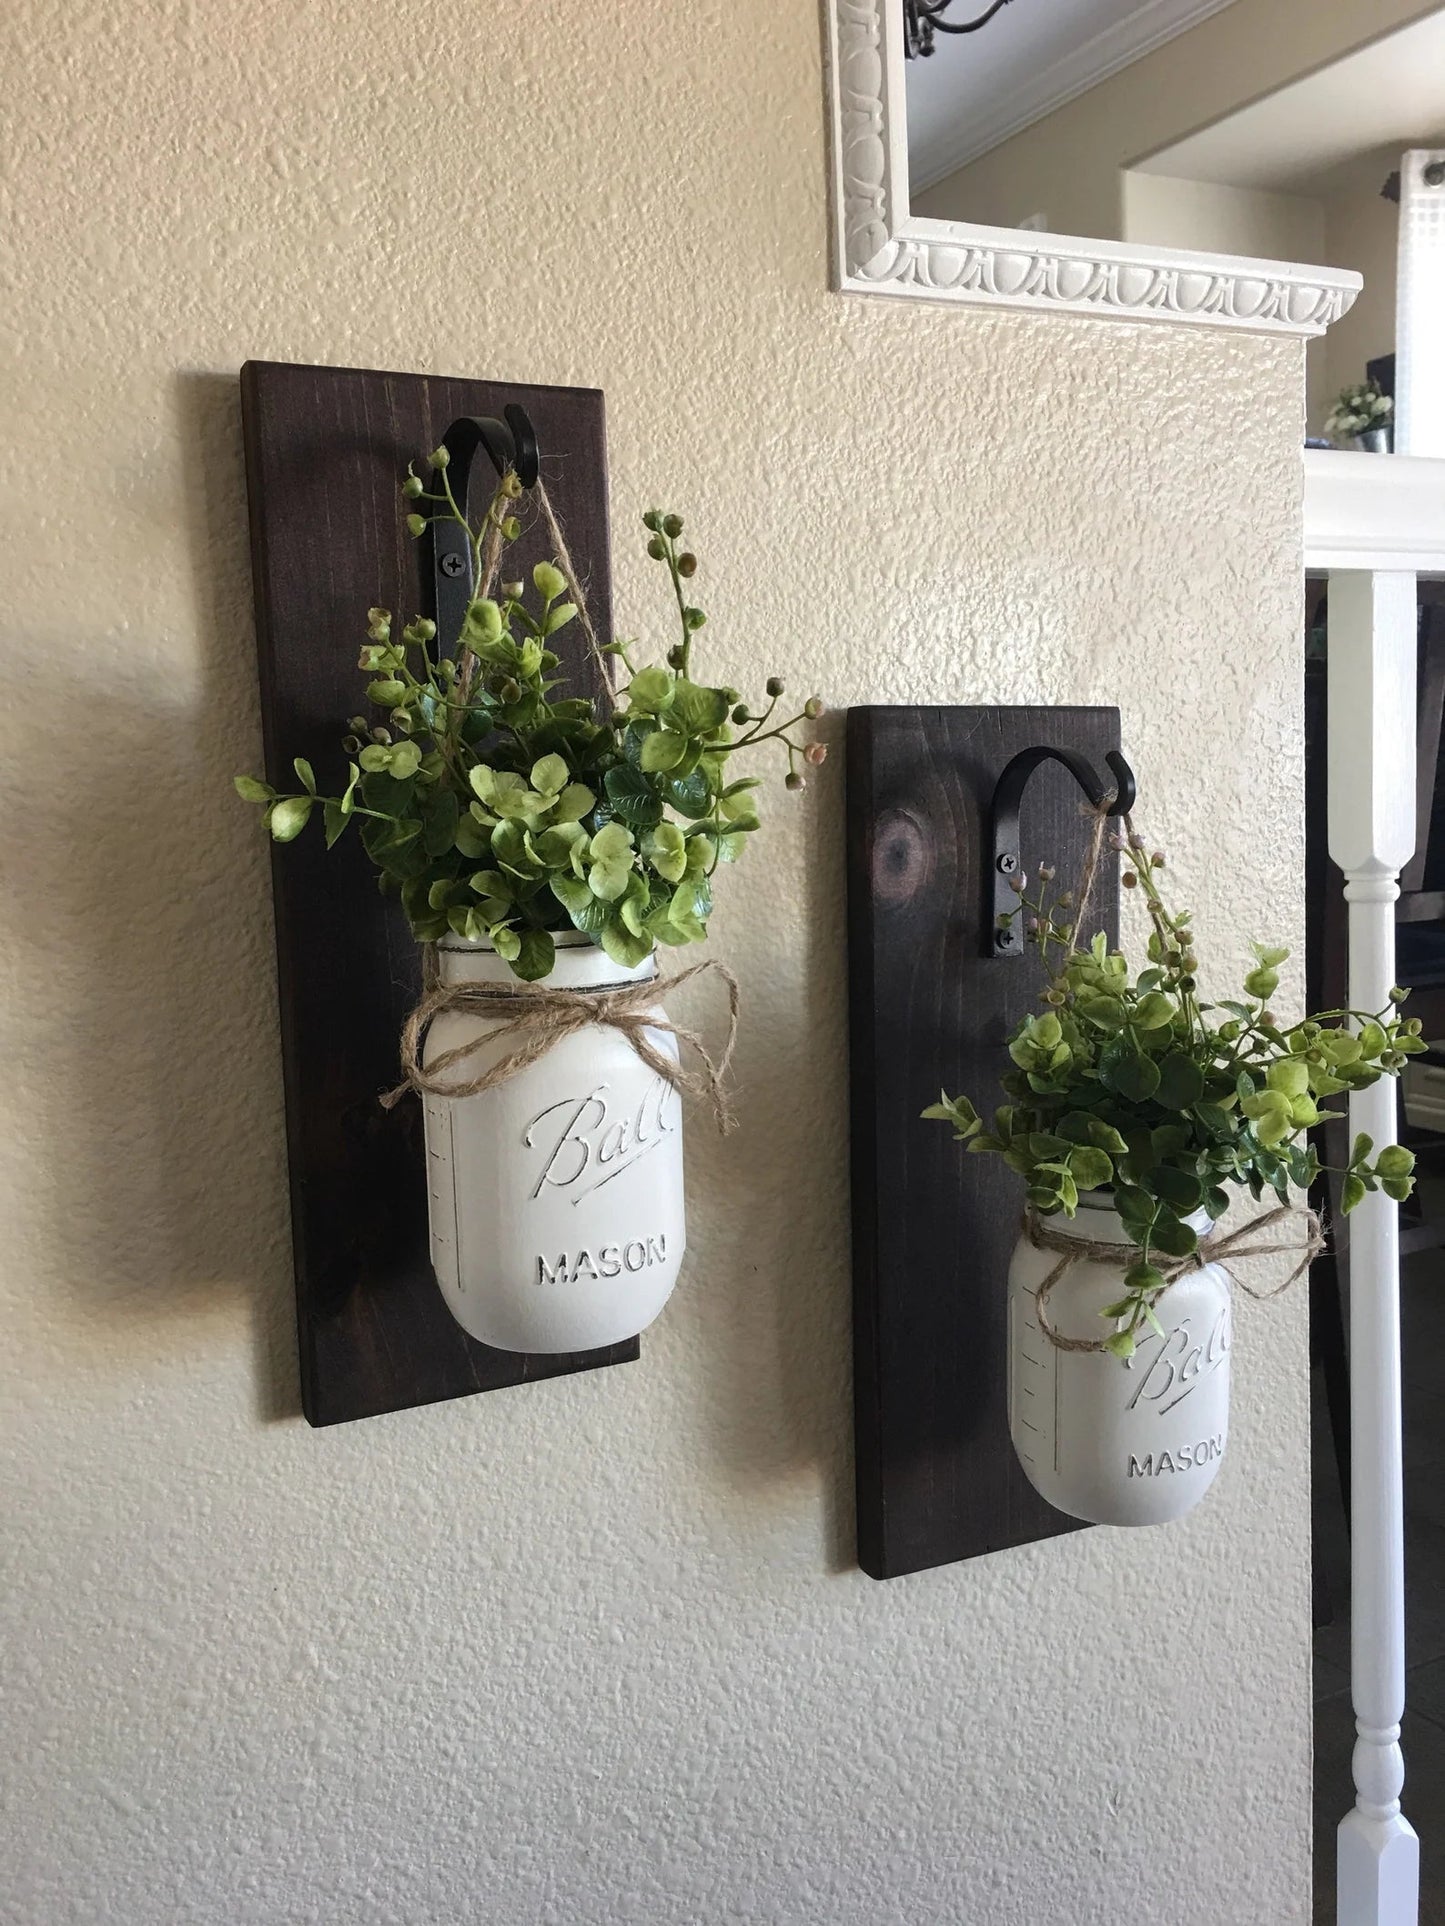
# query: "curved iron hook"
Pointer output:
{"type": "Point", "coordinates": [1002, 938]}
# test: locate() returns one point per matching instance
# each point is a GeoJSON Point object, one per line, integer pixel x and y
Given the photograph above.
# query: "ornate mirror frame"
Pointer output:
{"type": "Point", "coordinates": [880, 247]}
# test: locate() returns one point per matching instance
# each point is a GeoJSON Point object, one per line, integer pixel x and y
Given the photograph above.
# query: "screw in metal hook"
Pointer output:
{"type": "Point", "coordinates": [1007, 863]}
{"type": "Point", "coordinates": [453, 564]}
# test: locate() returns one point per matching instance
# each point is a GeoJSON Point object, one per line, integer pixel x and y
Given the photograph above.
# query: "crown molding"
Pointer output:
{"type": "Point", "coordinates": [880, 248]}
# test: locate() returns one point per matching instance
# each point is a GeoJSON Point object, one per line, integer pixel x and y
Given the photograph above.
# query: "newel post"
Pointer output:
{"type": "Point", "coordinates": [1371, 836]}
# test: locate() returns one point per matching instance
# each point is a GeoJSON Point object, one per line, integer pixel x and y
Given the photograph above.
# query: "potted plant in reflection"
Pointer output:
{"type": "Point", "coordinates": [1362, 417]}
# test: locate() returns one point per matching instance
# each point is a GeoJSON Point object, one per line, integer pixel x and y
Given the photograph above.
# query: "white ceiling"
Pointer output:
{"type": "Point", "coordinates": [1391, 93]}
{"type": "Point", "coordinates": [979, 88]}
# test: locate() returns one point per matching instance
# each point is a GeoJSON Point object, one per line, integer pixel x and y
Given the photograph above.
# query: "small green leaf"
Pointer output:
{"type": "Point", "coordinates": [483, 624]}
{"type": "Point", "coordinates": [288, 817]}
{"type": "Point", "coordinates": [1174, 1238]}
{"type": "Point", "coordinates": [305, 775]}
{"type": "Point", "coordinates": [575, 802]}
{"type": "Point", "coordinates": [440, 823]}
{"type": "Point", "coordinates": [612, 844]}
{"type": "Point", "coordinates": [471, 838]}
{"type": "Point", "coordinates": [1180, 1189]}
{"type": "Point", "coordinates": [632, 796]}
{"type": "Point", "coordinates": [1090, 1168]}
{"type": "Point", "coordinates": [690, 795]}
{"type": "Point", "coordinates": [549, 581]}
{"type": "Point", "coordinates": [624, 947]}
{"type": "Point", "coordinates": [251, 789]}
{"type": "Point", "coordinates": [1352, 1191]}
{"type": "Point", "coordinates": [550, 775]}
{"type": "Point", "coordinates": [1124, 1069]}
{"type": "Point", "coordinates": [491, 882]}
{"type": "Point", "coordinates": [536, 954]}
{"type": "Point", "coordinates": [650, 691]}
{"type": "Point", "coordinates": [662, 750]}
{"type": "Point", "coordinates": [588, 912]}
{"type": "Point", "coordinates": [666, 850]}
{"type": "Point", "coordinates": [1141, 1277]}
{"type": "Point", "coordinates": [608, 881]}
{"type": "Point", "coordinates": [698, 710]}
{"type": "Point", "coordinates": [1181, 1082]}
{"type": "Point", "coordinates": [1289, 1076]}
{"type": "Point", "coordinates": [1394, 1161]}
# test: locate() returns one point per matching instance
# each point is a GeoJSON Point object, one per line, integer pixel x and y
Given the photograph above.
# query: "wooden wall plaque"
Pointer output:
{"type": "Point", "coordinates": [933, 1227]}
{"type": "Point", "coordinates": [326, 450]}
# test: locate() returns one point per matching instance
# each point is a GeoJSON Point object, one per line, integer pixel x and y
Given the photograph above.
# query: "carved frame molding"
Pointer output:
{"type": "Point", "coordinates": [880, 248]}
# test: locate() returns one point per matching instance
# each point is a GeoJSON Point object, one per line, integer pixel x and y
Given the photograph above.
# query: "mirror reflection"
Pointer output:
{"type": "Point", "coordinates": [1287, 130]}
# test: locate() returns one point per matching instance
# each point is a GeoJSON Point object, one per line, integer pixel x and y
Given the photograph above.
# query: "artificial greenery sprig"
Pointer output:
{"type": "Point", "coordinates": [502, 812]}
{"type": "Point", "coordinates": [1133, 1085]}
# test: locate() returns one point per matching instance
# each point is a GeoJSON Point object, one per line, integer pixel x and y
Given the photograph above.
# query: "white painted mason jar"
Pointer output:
{"type": "Point", "coordinates": [1116, 1443]}
{"type": "Point", "coordinates": [555, 1198]}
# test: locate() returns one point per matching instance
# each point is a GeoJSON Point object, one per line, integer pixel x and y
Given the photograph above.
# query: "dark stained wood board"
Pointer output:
{"type": "Point", "coordinates": [326, 450]}
{"type": "Point", "coordinates": [933, 1226]}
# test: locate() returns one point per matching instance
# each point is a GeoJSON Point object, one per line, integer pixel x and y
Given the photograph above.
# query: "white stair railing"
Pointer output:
{"type": "Point", "coordinates": [1373, 523]}
{"type": "Point", "coordinates": [1372, 836]}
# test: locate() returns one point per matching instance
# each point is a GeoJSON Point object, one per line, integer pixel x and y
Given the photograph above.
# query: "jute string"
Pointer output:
{"type": "Point", "coordinates": [491, 563]}
{"type": "Point", "coordinates": [532, 1019]}
{"type": "Point", "coordinates": [1225, 1249]}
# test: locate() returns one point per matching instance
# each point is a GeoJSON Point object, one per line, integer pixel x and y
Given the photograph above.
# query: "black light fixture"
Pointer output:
{"type": "Point", "coordinates": [923, 18]}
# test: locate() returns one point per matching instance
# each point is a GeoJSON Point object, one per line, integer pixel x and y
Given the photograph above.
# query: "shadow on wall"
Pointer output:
{"type": "Point", "coordinates": [770, 1308]}
{"type": "Point", "coordinates": [144, 877]}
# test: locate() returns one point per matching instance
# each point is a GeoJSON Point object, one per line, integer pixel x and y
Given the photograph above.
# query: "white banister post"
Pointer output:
{"type": "Point", "coordinates": [1372, 836]}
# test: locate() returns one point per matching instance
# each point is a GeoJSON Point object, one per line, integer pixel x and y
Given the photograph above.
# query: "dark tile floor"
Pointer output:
{"type": "Point", "coordinates": [1423, 1734]}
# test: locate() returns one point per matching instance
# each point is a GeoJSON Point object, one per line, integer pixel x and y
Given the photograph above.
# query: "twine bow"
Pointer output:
{"type": "Point", "coordinates": [534, 1017]}
{"type": "Point", "coordinates": [1225, 1250]}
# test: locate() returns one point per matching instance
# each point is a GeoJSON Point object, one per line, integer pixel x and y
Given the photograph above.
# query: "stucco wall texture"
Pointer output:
{"type": "Point", "coordinates": [591, 1653]}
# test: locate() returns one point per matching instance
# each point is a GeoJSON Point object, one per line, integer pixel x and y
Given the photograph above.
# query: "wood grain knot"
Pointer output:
{"type": "Point", "coordinates": [902, 857]}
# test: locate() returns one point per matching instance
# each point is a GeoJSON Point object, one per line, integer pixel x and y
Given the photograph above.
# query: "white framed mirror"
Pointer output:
{"type": "Point", "coordinates": [961, 175]}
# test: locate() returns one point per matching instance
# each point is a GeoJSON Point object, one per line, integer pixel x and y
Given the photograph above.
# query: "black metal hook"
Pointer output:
{"type": "Point", "coordinates": [1003, 938]}
{"type": "Point", "coordinates": [509, 444]}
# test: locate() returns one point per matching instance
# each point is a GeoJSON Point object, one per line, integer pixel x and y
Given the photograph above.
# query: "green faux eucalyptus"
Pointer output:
{"type": "Point", "coordinates": [502, 811]}
{"type": "Point", "coordinates": [1131, 1085]}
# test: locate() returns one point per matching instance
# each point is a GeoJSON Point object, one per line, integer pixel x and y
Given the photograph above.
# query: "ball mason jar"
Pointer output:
{"type": "Point", "coordinates": [1115, 1442]}
{"type": "Point", "coordinates": [555, 1198]}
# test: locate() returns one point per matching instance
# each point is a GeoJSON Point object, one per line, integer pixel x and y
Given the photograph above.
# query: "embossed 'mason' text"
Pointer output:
{"type": "Point", "coordinates": [1185, 1458]}
{"type": "Point", "coordinates": [611, 1260]}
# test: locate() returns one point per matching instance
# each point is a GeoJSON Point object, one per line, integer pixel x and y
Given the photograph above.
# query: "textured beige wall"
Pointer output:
{"type": "Point", "coordinates": [1068, 165]}
{"type": "Point", "coordinates": [591, 1653]}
